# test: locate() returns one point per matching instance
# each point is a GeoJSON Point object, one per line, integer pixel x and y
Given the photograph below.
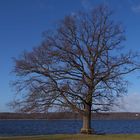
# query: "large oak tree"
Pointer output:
{"type": "Point", "coordinates": [80, 65]}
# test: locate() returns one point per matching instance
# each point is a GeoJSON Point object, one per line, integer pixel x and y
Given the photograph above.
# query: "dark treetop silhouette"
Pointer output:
{"type": "Point", "coordinates": [79, 66]}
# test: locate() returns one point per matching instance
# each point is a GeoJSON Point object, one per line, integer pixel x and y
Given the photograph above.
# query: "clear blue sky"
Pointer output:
{"type": "Point", "coordinates": [23, 21]}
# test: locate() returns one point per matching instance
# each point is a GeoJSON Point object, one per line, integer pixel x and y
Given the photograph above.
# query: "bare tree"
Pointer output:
{"type": "Point", "coordinates": [79, 66]}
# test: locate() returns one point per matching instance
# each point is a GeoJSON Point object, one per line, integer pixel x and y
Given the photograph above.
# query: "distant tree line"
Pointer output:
{"type": "Point", "coordinates": [69, 115]}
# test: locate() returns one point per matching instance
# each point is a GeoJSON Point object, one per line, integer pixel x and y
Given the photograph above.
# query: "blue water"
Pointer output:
{"type": "Point", "coordinates": [45, 127]}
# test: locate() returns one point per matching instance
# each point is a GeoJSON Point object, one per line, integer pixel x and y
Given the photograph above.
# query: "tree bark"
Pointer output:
{"type": "Point", "coordinates": [86, 129]}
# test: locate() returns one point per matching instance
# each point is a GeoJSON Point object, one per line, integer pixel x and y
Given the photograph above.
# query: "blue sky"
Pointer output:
{"type": "Point", "coordinates": [23, 21]}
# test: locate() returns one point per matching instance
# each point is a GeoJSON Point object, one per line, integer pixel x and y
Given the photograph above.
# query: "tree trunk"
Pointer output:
{"type": "Point", "coordinates": [86, 129]}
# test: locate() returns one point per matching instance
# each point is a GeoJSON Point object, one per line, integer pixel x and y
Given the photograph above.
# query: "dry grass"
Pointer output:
{"type": "Point", "coordinates": [75, 137]}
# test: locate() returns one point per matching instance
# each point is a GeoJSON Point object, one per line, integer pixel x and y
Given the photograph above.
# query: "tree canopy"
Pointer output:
{"type": "Point", "coordinates": [80, 65]}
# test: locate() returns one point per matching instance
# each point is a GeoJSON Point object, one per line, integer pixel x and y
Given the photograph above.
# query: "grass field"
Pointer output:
{"type": "Point", "coordinates": [76, 137]}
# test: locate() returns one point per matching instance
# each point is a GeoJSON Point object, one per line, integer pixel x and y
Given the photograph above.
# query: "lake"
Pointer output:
{"type": "Point", "coordinates": [45, 127]}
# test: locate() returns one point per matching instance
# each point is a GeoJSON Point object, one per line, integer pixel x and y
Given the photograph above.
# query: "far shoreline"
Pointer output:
{"type": "Point", "coordinates": [70, 116]}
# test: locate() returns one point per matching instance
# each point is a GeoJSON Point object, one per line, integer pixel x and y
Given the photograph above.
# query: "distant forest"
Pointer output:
{"type": "Point", "coordinates": [69, 115]}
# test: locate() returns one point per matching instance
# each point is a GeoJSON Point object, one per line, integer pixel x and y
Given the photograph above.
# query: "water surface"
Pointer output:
{"type": "Point", "coordinates": [45, 127]}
